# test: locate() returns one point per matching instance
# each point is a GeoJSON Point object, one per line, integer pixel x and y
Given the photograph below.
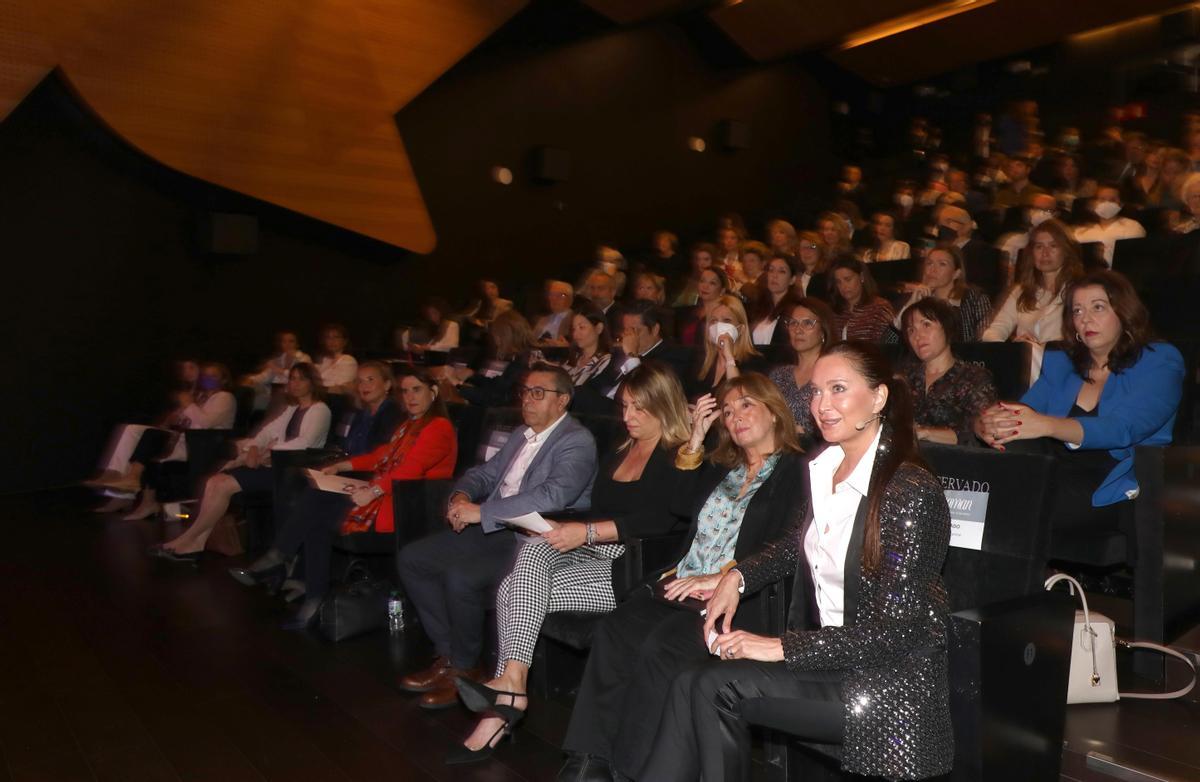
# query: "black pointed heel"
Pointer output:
{"type": "Point", "coordinates": [460, 755]}
{"type": "Point", "coordinates": [272, 578]}
{"type": "Point", "coordinates": [480, 698]}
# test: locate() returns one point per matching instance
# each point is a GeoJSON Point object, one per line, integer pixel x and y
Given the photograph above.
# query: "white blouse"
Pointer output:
{"type": "Point", "coordinates": [1043, 322]}
{"type": "Point", "coordinates": [339, 371]}
{"type": "Point", "coordinates": [828, 536]}
{"type": "Point", "coordinates": [314, 427]}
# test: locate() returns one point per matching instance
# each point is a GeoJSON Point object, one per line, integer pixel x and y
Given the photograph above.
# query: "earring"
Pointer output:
{"type": "Point", "coordinates": [1077, 337]}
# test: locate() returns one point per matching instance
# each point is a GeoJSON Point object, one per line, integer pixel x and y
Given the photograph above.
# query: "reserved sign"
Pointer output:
{"type": "Point", "coordinates": [968, 501]}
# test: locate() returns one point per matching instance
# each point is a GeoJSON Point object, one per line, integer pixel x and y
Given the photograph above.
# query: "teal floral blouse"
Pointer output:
{"type": "Point", "coordinates": [721, 520]}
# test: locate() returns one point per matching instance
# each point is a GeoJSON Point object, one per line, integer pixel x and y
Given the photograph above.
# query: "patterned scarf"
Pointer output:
{"type": "Point", "coordinates": [361, 519]}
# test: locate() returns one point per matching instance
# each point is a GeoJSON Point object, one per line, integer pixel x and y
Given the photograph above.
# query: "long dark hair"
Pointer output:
{"type": "Point", "coordinates": [898, 443]}
{"type": "Point", "coordinates": [603, 344]}
{"type": "Point", "coordinates": [438, 408]}
{"type": "Point", "coordinates": [310, 373]}
{"type": "Point", "coordinates": [1136, 332]}
{"type": "Point", "coordinates": [759, 305]}
{"type": "Point", "coordinates": [870, 291]}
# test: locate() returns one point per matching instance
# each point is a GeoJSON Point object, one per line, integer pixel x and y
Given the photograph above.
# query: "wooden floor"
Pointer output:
{"type": "Point", "coordinates": [117, 667]}
{"type": "Point", "coordinates": [114, 666]}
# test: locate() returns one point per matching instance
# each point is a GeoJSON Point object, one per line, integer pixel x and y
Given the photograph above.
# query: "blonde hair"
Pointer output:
{"type": "Point", "coordinates": [743, 347]}
{"type": "Point", "coordinates": [660, 288]}
{"type": "Point", "coordinates": [655, 388]}
{"type": "Point", "coordinates": [788, 229]}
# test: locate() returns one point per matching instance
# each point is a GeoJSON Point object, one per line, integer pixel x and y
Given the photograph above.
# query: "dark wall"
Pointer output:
{"type": "Point", "coordinates": [623, 104]}
{"type": "Point", "coordinates": [106, 283]}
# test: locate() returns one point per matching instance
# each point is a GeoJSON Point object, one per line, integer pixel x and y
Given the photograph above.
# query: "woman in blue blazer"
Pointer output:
{"type": "Point", "coordinates": [1111, 390]}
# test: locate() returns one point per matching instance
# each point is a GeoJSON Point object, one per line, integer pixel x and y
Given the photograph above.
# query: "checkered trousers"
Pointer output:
{"type": "Point", "coordinates": [544, 581]}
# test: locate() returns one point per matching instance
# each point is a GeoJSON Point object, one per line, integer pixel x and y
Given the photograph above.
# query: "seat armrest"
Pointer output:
{"type": "Point", "coordinates": [417, 507]}
{"type": "Point", "coordinates": [645, 555]}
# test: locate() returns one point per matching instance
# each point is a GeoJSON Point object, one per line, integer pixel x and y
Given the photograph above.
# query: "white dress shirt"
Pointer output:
{"type": "Point", "coordinates": [828, 537]}
{"type": "Point", "coordinates": [1120, 228]}
{"type": "Point", "coordinates": [510, 484]}
{"type": "Point", "coordinates": [631, 363]}
{"type": "Point", "coordinates": [550, 325]}
{"type": "Point", "coordinates": [339, 371]}
{"type": "Point", "coordinates": [764, 332]}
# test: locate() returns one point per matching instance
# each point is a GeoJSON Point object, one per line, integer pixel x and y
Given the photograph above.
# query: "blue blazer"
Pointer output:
{"type": "Point", "coordinates": [559, 477]}
{"type": "Point", "coordinates": [1137, 407]}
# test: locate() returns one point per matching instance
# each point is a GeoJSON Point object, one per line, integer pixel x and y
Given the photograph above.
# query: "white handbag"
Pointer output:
{"type": "Point", "coordinates": [1094, 644]}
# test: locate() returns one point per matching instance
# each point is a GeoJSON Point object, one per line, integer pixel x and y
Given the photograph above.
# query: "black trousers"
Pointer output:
{"type": "Point", "coordinates": [704, 732]}
{"type": "Point", "coordinates": [152, 445]}
{"type": "Point", "coordinates": [313, 524]}
{"type": "Point", "coordinates": [636, 652]}
{"type": "Point", "coordinates": [451, 578]}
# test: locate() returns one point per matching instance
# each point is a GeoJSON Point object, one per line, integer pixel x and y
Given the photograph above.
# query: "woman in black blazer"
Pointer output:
{"type": "Point", "coordinates": [863, 662]}
{"type": "Point", "coordinates": [743, 497]}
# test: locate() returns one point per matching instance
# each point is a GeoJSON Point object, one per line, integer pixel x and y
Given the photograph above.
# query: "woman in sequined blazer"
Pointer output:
{"type": "Point", "coordinates": [863, 662]}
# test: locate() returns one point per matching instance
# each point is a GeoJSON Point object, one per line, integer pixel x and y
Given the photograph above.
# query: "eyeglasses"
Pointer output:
{"type": "Point", "coordinates": [537, 393]}
{"type": "Point", "coordinates": [807, 324]}
{"type": "Point", "coordinates": [808, 247]}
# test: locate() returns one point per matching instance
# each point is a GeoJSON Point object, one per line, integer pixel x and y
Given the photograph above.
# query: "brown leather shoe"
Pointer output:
{"type": "Point", "coordinates": [445, 694]}
{"type": "Point", "coordinates": [426, 680]}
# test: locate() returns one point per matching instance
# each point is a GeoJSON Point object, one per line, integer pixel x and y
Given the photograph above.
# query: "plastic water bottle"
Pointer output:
{"type": "Point", "coordinates": [395, 612]}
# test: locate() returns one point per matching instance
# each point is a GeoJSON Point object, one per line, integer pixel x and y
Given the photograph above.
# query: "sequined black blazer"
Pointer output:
{"type": "Point", "coordinates": [893, 642]}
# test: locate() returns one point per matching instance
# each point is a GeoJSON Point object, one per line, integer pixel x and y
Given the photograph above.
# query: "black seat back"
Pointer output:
{"type": "Point", "coordinates": [244, 396]}
{"type": "Point", "coordinates": [418, 507]}
{"type": "Point", "coordinates": [1016, 532]}
{"type": "Point", "coordinates": [1009, 363]}
{"type": "Point", "coordinates": [889, 275]}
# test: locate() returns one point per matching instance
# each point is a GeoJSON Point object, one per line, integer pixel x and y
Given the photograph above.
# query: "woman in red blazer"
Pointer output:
{"type": "Point", "coordinates": [424, 446]}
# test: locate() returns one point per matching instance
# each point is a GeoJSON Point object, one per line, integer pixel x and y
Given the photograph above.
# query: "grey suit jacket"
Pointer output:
{"type": "Point", "coordinates": [560, 476]}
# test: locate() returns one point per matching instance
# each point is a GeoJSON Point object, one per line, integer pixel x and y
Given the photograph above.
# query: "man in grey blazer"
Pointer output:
{"type": "Point", "coordinates": [546, 466]}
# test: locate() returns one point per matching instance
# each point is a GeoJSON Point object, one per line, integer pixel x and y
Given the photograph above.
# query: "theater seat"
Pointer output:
{"type": "Point", "coordinates": [567, 635]}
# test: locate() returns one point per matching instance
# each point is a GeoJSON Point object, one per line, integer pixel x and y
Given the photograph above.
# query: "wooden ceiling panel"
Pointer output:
{"type": "Point", "coordinates": [771, 29]}
{"type": "Point", "coordinates": [1004, 28]}
{"type": "Point", "coordinates": [292, 103]}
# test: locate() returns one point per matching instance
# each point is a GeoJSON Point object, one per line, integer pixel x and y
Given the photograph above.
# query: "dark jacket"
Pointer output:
{"type": "Point", "coordinates": [780, 500]}
{"type": "Point", "coordinates": [593, 397]}
{"type": "Point", "coordinates": [893, 640]}
{"type": "Point", "coordinates": [368, 432]}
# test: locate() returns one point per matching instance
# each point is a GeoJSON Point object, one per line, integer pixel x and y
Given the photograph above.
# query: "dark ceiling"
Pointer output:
{"type": "Point", "coordinates": [769, 30]}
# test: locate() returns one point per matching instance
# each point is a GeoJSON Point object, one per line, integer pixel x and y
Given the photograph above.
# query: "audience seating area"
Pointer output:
{"type": "Point", "coordinates": [1009, 640]}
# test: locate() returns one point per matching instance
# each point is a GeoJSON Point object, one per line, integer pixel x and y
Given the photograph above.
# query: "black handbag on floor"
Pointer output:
{"type": "Point", "coordinates": [357, 606]}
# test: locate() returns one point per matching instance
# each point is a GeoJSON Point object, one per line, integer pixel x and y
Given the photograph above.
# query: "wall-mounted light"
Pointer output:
{"type": "Point", "coordinates": [502, 175]}
{"type": "Point", "coordinates": [696, 144]}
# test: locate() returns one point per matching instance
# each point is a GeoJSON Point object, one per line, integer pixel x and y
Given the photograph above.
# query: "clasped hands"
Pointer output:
{"type": "Point", "coordinates": [1004, 422]}
{"type": "Point", "coordinates": [720, 591]}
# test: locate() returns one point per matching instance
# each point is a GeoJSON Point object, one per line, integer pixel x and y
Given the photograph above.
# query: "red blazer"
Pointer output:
{"type": "Point", "coordinates": [432, 456]}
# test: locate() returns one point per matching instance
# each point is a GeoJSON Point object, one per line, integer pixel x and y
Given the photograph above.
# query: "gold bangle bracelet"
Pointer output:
{"type": "Point", "coordinates": [686, 459]}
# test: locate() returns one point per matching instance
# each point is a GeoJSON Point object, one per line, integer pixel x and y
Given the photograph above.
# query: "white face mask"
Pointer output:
{"type": "Point", "coordinates": [1039, 216]}
{"type": "Point", "coordinates": [1107, 210]}
{"type": "Point", "coordinates": [904, 199]}
{"type": "Point", "coordinates": [718, 330]}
